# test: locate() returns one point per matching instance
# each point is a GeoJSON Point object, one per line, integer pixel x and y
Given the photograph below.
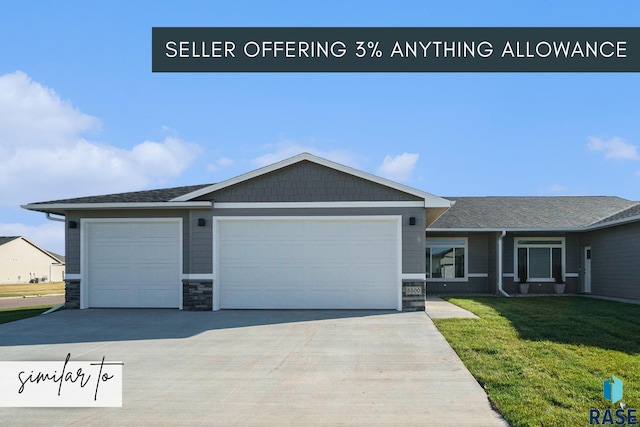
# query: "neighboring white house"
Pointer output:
{"type": "Point", "coordinates": [22, 261]}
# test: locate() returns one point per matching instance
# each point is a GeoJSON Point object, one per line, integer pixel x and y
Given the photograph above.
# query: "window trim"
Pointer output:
{"type": "Point", "coordinates": [465, 246]}
{"type": "Point", "coordinates": [561, 245]}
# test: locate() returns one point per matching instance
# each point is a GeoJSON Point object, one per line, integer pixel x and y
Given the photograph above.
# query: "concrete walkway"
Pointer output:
{"type": "Point", "coordinates": [257, 367]}
{"type": "Point", "coordinates": [437, 308]}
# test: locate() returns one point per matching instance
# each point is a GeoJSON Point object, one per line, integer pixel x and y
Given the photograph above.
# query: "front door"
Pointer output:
{"type": "Point", "coordinates": [587, 269]}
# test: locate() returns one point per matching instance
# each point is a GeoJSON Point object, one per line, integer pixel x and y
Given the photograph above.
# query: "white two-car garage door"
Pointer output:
{"type": "Point", "coordinates": [303, 262]}
{"type": "Point", "coordinates": [133, 263]}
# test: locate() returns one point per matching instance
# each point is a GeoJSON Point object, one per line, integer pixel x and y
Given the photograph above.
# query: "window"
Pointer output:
{"type": "Point", "coordinates": [539, 259]}
{"type": "Point", "coordinates": [447, 259]}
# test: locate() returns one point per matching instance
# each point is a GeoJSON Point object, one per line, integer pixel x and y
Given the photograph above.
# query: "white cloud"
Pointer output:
{"type": "Point", "coordinates": [285, 149]}
{"type": "Point", "coordinates": [48, 236]}
{"type": "Point", "coordinates": [398, 168]}
{"type": "Point", "coordinates": [43, 155]}
{"type": "Point", "coordinates": [33, 115]}
{"type": "Point", "coordinates": [614, 148]}
{"type": "Point", "coordinates": [222, 162]}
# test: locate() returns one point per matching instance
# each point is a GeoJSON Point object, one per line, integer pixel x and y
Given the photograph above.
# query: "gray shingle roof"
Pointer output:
{"type": "Point", "coordinates": [7, 239]}
{"type": "Point", "coordinates": [161, 195]}
{"type": "Point", "coordinates": [633, 211]}
{"type": "Point", "coordinates": [61, 258]}
{"type": "Point", "coordinates": [530, 212]}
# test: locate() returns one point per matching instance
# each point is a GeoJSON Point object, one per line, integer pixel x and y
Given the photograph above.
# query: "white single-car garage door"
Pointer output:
{"type": "Point", "coordinates": [303, 262]}
{"type": "Point", "coordinates": [133, 263]}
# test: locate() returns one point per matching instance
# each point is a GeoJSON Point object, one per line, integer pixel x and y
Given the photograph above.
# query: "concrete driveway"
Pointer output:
{"type": "Point", "coordinates": [249, 367]}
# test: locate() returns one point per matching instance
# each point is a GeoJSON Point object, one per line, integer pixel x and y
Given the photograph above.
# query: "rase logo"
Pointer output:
{"type": "Point", "coordinates": [612, 391]}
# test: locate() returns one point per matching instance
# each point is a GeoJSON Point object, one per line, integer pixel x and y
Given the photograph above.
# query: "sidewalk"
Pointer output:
{"type": "Point", "coordinates": [437, 308]}
{"type": "Point", "coordinates": [31, 301]}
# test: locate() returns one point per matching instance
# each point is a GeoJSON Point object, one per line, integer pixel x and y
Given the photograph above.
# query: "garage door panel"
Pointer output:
{"type": "Point", "coordinates": [156, 274]}
{"type": "Point", "coordinates": [156, 252]}
{"type": "Point", "coordinates": [308, 263]}
{"type": "Point", "coordinates": [156, 231]}
{"type": "Point", "coordinates": [158, 297]}
{"type": "Point", "coordinates": [134, 264]}
{"type": "Point", "coordinates": [112, 230]}
{"type": "Point", "coordinates": [285, 298]}
{"type": "Point", "coordinates": [104, 251]}
{"type": "Point", "coordinates": [120, 296]}
{"type": "Point", "coordinates": [294, 251]}
{"type": "Point", "coordinates": [102, 276]}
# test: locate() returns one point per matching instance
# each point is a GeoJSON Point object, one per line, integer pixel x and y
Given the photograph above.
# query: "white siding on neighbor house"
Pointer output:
{"type": "Point", "coordinates": [302, 262]}
{"type": "Point", "coordinates": [133, 263]}
{"type": "Point", "coordinates": [21, 261]}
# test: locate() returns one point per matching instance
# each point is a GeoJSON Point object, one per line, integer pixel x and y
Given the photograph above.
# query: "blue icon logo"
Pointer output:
{"type": "Point", "coordinates": [612, 389]}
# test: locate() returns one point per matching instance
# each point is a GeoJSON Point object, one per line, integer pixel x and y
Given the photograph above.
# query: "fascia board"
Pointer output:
{"type": "Point", "coordinates": [48, 207]}
{"type": "Point", "coordinates": [509, 230]}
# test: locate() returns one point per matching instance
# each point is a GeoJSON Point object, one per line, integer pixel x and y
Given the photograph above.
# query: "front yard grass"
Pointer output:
{"type": "Point", "coordinates": [27, 289]}
{"type": "Point", "coordinates": [543, 360]}
{"type": "Point", "coordinates": [10, 314]}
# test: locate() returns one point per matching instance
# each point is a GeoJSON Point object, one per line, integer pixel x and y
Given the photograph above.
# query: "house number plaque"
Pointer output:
{"type": "Point", "coordinates": [413, 290]}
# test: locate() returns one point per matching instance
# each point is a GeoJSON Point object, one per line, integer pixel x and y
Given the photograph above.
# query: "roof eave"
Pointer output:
{"type": "Point", "coordinates": [622, 221]}
{"type": "Point", "coordinates": [59, 208]}
{"type": "Point", "coordinates": [507, 229]}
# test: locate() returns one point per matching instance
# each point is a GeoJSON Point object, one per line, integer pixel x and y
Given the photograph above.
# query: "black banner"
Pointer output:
{"type": "Point", "coordinates": [386, 49]}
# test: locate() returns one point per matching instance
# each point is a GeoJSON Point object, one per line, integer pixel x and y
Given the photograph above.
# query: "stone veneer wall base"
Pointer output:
{"type": "Point", "coordinates": [414, 295]}
{"type": "Point", "coordinates": [72, 294]}
{"type": "Point", "coordinates": [197, 295]}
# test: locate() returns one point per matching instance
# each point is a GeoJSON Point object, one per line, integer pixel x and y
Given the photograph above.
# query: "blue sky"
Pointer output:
{"type": "Point", "coordinates": [81, 113]}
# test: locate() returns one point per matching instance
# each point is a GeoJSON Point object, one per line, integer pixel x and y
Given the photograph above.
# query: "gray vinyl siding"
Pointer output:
{"type": "Point", "coordinates": [412, 235]}
{"type": "Point", "coordinates": [475, 285]}
{"type": "Point", "coordinates": [615, 252]}
{"type": "Point", "coordinates": [478, 254]}
{"type": "Point", "coordinates": [72, 245]}
{"type": "Point", "coordinates": [507, 255]}
{"type": "Point", "coordinates": [307, 182]}
{"type": "Point", "coordinates": [200, 243]}
{"type": "Point", "coordinates": [572, 253]}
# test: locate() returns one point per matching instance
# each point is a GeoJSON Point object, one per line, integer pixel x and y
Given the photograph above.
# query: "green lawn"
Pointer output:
{"type": "Point", "coordinates": [31, 289]}
{"type": "Point", "coordinates": [542, 360]}
{"type": "Point", "coordinates": [10, 314]}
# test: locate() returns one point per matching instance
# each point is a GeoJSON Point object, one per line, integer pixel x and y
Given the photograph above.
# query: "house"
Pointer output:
{"type": "Point", "coordinates": [591, 244]}
{"type": "Point", "coordinates": [21, 261]}
{"type": "Point", "coordinates": [310, 233]}
{"type": "Point", "coordinates": [302, 233]}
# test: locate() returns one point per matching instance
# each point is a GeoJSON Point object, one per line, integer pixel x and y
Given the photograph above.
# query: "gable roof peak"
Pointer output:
{"type": "Point", "coordinates": [56, 257]}
{"type": "Point", "coordinates": [430, 199]}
